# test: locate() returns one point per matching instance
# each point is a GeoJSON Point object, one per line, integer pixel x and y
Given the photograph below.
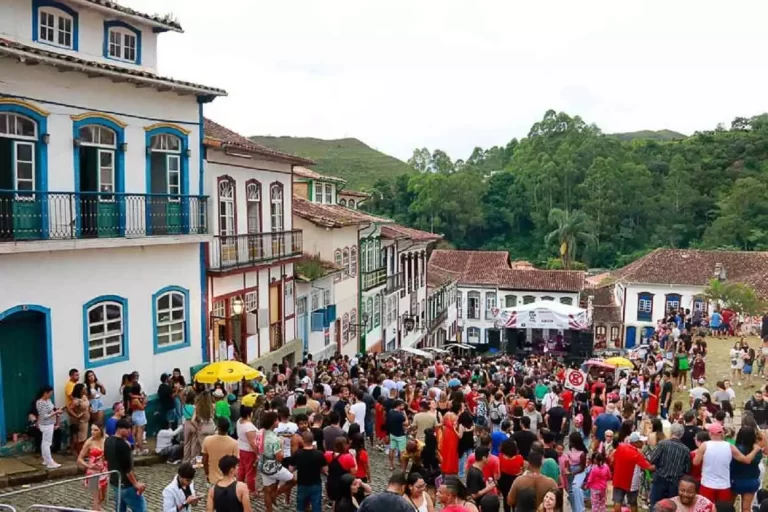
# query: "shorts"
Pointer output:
{"type": "Point", "coordinates": [723, 328]}
{"type": "Point", "coordinates": [716, 495]}
{"type": "Point", "coordinates": [397, 443]}
{"type": "Point", "coordinates": [281, 476]}
{"type": "Point", "coordinates": [747, 370]}
{"type": "Point", "coordinates": [139, 418]}
{"type": "Point", "coordinates": [745, 486]}
{"type": "Point", "coordinates": [620, 494]}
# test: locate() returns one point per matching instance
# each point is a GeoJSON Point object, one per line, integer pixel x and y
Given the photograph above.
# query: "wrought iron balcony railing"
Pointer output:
{"type": "Point", "coordinates": [394, 283]}
{"type": "Point", "coordinates": [35, 215]}
{"type": "Point", "coordinates": [238, 251]}
{"type": "Point", "coordinates": [438, 320]}
{"type": "Point", "coordinates": [373, 279]}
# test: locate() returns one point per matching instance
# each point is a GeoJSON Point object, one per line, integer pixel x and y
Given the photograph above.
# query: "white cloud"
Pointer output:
{"type": "Point", "coordinates": [455, 74]}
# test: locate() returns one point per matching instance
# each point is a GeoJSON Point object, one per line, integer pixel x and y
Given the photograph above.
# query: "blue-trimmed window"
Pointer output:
{"type": "Point", "coordinates": [170, 313]}
{"type": "Point", "coordinates": [672, 302]}
{"type": "Point", "coordinates": [54, 23]}
{"type": "Point", "coordinates": [317, 320]}
{"type": "Point", "coordinates": [122, 42]}
{"type": "Point", "coordinates": [698, 304]}
{"type": "Point", "coordinates": [105, 330]}
{"type": "Point", "coordinates": [167, 180]}
{"type": "Point", "coordinates": [644, 306]}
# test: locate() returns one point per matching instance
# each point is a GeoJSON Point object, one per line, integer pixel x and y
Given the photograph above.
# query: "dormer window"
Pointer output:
{"type": "Point", "coordinates": [54, 24]}
{"type": "Point", "coordinates": [323, 193]}
{"type": "Point", "coordinates": [122, 42]}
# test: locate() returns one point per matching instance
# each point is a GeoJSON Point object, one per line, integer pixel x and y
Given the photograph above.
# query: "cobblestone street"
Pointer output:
{"type": "Point", "coordinates": [74, 494]}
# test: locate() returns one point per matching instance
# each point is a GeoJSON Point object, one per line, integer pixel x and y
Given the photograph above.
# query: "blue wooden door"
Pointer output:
{"type": "Point", "coordinates": [631, 337]}
{"type": "Point", "coordinates": [647, 333]}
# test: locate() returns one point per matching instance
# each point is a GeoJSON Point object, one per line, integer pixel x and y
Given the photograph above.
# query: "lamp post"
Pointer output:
{"type": "Point", "coordinates": [237, 310]}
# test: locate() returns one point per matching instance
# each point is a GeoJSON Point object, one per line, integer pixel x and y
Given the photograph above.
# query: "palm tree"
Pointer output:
{"type": "Point", "coordinates": [572, 228]}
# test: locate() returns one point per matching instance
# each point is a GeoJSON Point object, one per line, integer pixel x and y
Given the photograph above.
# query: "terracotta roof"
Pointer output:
{"type": "Point", "coordinates": [492, 268]}
{"type": "Point", "coordinates": [66, 62]}
{"type": "Point", "coordinates": [331, 215]}
{"type": "Point", "coordinates": [165, 21]}
{"type": "Point", "coordinates": [303, 172]}
{"type": "Point", "coordinates": [354, 193]}
{"type": "Point", "coordinates": [697, 267]}
{"type": "Point", "coordinates": [604, 308]}
{"type": "Point", "coordinates": [437, 278]}
{"type": "Point", "coordinates": [308, 265]}
{"type": "Point", "coordinates": [218, 136]}
{"type": "Point", "coordinates": [598, 279]}
{"type": "Point", "coordinates": [398, 232]}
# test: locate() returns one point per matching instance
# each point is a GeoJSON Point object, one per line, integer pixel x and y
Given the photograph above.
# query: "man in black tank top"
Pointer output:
{"type": "Point", "coordinates": [229, 495]}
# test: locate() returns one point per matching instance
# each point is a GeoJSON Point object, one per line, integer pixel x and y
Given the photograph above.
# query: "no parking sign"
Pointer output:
{"type": "Point", "coordinates": [575, 380]}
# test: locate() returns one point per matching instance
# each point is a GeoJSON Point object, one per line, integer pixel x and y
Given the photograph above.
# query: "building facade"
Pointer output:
{"type": "Point", "coordinates": [315, 306]}
{"type": "Point", "coordinates": [101, 199]}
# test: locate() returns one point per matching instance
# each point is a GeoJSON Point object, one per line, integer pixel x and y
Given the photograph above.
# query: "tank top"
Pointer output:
{"type": "Point", "coordinates": [225, 499]}
{"type": "Point", "coordinates": [422, 507]}
{"type": "Point", "coordinates": [716, 467]}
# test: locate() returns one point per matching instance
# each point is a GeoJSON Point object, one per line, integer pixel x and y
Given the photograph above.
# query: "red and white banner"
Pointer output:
{"type": "Point", "coordinates": [575, 380]}
{"type": "Point", "coordinates": [543, 315]}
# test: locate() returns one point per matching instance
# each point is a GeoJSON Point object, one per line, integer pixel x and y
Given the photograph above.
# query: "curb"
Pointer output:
{"type": "Point", "coordinates": [42, 475]}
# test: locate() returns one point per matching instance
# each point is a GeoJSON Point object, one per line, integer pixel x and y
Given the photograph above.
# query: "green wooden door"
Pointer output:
{"type": "Point", "coordinates": [108, 215]}
{"type": "Point", "coordinates": [24, 365]}
{"type": "Point", "coordinates": [174, 207]}
{"type": "Point", "coordinates": [99, 215]}
{"type": "Point", "coordinates": [26, 206]}
{"type": "Point", "coordinates": [166, 207]}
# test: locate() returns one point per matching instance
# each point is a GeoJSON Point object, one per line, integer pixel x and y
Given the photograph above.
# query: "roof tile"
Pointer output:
{"type": "Point", "coordinates": [331, 215]}
{"type": "Point", "coordinates": [171, 24]}
{"type": "Point", "coordinates": [303, 172]}
{"type": "Point", "coordinates": [217, 135]}
{"type": "Point", "coordinates": [396, 231]}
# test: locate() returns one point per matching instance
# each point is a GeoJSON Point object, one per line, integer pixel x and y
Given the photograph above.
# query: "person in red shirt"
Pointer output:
{"type": "Point", "coordinates": [472, 399]}
{"type": "Point", "coordinates": [696, 469]}
{"type": "Point", "coordinates": [625, 458]}
{"type": "Point", "coordinates": [566, 399]}
{"type": "Point", "coordinates": [492, 468]}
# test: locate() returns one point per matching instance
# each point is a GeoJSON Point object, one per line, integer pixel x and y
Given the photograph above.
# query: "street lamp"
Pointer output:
{"type": "Point", "coordinates": [237, 309]}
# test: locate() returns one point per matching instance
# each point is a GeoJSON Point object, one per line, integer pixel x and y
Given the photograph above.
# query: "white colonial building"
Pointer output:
{"type": "Point", "coordinates": [487, 281]}
{"type": "Point", "coordinates": [250, 274]}
{"type": "Point", "coordinates": [102, 201]}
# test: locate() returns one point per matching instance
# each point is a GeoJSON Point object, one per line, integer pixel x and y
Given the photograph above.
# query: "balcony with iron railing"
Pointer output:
{"type": "Point", "coordinates": [394, 283]}
{"type": "Point", "coordinates": [438, 320]}
{"type": "Point", "coordinates": [372, 279]}
{"type": "Point", "coordinates": [35, 215]}
{"type": "Point", "coordinates": [242, 251]}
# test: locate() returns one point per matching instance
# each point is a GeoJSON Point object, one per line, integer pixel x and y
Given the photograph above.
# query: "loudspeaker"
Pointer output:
{"type": "Point", "coordinates": [494, 338]}
{"type": "Point", "coordinates": [582, 344]}
{"type": "Point", "coordinates": [515, 341]}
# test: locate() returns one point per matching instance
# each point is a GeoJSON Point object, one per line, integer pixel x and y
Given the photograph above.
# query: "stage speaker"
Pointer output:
{"type": "Point", "coordinates": [494, 338]}
{"type": "Point", "coordinates": [582, 344]}
{"type": "Point", "coordinates": [515, 341]}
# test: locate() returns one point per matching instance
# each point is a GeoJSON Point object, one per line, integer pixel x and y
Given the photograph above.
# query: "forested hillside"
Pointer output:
{"type": "Point", "coordinates": [350, 159]}
{"type": "Point", "coordinates": [611, 200]}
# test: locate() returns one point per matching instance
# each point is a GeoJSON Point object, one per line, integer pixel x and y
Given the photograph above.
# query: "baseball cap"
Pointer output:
{"type": "Point", "coordinates": [715, 428]}
{"type": "Point", "coordinates": [454, 383]}
{"type": "Point", "coordinates": [635, 437]}
{"type": "Point", "coordinates": [702, 381]}
{"type": "Point", "coordinates": [218, 393]}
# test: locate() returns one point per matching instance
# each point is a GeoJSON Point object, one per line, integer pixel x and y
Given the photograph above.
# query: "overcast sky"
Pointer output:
{"type": "Point", "coordinates": [455, 74]}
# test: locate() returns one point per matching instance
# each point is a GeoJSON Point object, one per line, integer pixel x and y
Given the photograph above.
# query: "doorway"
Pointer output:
{"type": "Point", "coordinates": [22, 372]}
{"type": "Point", "coordinates": [631, 338]}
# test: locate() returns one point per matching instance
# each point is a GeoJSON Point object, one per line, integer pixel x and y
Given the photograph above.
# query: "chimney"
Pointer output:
{"type": "Point", "coordinates": [719, 271]}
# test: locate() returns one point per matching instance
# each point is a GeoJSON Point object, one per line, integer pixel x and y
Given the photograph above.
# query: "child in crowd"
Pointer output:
{"type": "Point", "coordinates": [597, 481]}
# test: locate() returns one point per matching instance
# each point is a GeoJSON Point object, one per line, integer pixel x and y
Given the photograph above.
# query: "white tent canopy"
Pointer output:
{"type": "Point", "coordinates": [437, 350]}
{"type": "Point", "coordinates": [459, 346]}
{"type": "Point", "coordinates": [416, 352]}
{"type": "Point", "coordinates": [543, 315]}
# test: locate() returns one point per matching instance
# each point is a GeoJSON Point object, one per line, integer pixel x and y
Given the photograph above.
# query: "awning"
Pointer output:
{"type": "Point", "coordinates": [459, 346]}
{"type": "Point", "coordinates": [416, 352]}
{"type": "Point", "coordinates": [437, 350]}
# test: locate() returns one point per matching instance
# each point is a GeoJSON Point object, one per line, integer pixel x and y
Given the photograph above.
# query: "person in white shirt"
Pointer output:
{"type": "Point", "coordinates": [550, 400]}
{"type": "Point", "coordinates": [698, 392]}
{"type": "Point", "coordinates": [356, 411]}
{"type": "Point", "coordinates": [165, 447]}
{"type": "Point", "coordinates": [285, 429]}
{"type": "Point", "coordinates": [179, 495]}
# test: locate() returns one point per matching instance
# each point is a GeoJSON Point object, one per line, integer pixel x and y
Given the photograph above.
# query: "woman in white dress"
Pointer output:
{"type": "Point", "coordinates": [737, 362]}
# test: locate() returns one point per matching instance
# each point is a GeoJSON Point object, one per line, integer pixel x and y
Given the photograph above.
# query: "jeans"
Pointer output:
{"type": "Point", "coordinates": [463, 463]}
{"type": "Point", "coordinates": [662, 488]}
{"type": "Point", "coordinates": [45, 446]}
{"type": "Point", "coordinates": [129, 499]}
{"type": "Point", "coordinates": [664, 412]}
{"type": "Point", "coordinates": [309, 493]}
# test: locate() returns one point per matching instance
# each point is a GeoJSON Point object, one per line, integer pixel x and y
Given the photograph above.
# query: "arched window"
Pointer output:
{"type": "Point", "coordinates": [644, 306]}
{"type": "Point", "coordinates": [614, 333]}
{"type": "Point", "coordinates": [352, 324]}
{"type": "Point", "coordinates": [371, 313]}
{"type": "Point", "coordinates": [600, 330]}
{"type": "Point", "coordinates": [353, 261]}
{"type": "Point", "coordinates": [253, 198]}
{"type": "Point", "coordinates": [171, 315]}
{"type": "Point", "coordinates": [56, 24]}
{"type": "Point", "coordinates": [352, 203]}
{"type": "Point", "coordinates": [460, 304]}
{"type": "Point", "coordinates": [377, 311]}
{"type": "Point", "coordinates": [338, 261]}
{"type": "Point", "coordinates": [226, 206]}
{"type": "Point", "coordinates": [345, 328]}
{"type": "Point", "coordinates": [19, 159]}
{"type": "Point", "coordinates": [105, 330]}
{"type": "Point", "coordinates": [566, 300]}
{"type": "Point", "coordinates": [167, 168]}
{"type": "Point", "coordinates": [345, 261]}
{"type": "Point", "coordinates": [528, 299]}
{"type": "Point", "coordinates": [473, 335]}
{"type": "Point", "coordinates": [547, 297]}
{"type": "Point", "coordinates": [98, 145]}
{"type": "Point", "coordinates": [276, 206]}
{"type": "Point", "coordinates": [342, 202]}
{"type": "Point", "coordinates": [473, 305]}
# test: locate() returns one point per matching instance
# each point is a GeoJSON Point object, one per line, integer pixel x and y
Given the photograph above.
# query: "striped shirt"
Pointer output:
{"type": "Point", "coordinates": [672, 459]}
{"type": "Point", "coordinates": [45, 413]}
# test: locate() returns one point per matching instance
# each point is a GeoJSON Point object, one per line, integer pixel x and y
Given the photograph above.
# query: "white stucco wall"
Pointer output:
{"type": "Point", "coordinates": [410, 339]}
{"type": "Point", "coordinates": [659, 292]}
{"type": "Point", "coordinates": [144, 105]}
{"type": "Point", "coordinates": [16, 24]}
{"type": "Point", "coordinates": [65, 281]}
{"type": "Point", "coordinates": [315, 344]}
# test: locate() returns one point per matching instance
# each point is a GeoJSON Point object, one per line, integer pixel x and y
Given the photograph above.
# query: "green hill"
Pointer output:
{"type": "Point", "coordinates": [350, 159]}
{"type": "Point", "coordinates": [661, 135]}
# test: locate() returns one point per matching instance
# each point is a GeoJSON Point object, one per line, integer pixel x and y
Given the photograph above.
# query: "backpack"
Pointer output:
{"type": "Point", "coordinates": [495, 414]}
{"type": "Point", "coordinates": [376, 392]}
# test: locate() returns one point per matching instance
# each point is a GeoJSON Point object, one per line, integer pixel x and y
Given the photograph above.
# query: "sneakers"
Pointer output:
{"type": "Point", "coordinates": [54, 465]}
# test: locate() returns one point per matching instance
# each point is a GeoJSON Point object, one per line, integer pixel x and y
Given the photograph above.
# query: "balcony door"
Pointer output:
{"type": "Point", "coordinates": [99, 214]}
{"type": "Point", "coordinates": [275, 317]}
{"type": "Point", "coordinates": [20, 209]}
{"type": "Point", "coordinates": [227, 221]}
{"type": "Point", "coordinates": [164, 205]}
{"type": "Point", "coordinates": [253, 205]}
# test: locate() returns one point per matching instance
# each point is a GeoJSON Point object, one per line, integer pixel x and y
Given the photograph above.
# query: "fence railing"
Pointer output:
{"type": "Point", "coordinates": [228, 252]}
{"type": "Point", "coordinates": [36, 215]}
{"type": "Point", "coordinates": [373, 279]}
{"type": "Point", "coordinates": [438, 320]}
{"type": "Point", "coordinates": [395, 282]}
{"type": "Point", "coordinates": [59, 483]}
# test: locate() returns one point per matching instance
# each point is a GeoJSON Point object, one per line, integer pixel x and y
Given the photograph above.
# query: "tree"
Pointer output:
{"type": "Point", "coordinates": [572, 229]}
{"type": "Point", "coordinates": [739, 297]}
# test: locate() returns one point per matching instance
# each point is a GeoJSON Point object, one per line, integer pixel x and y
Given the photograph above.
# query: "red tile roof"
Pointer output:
{"type": "Point", "coordinates": [166, 21]}
{"type": "Point", "coordinates": [354, 193]}
{"type": "Point", "coordinates": [310, 268]}
{"type": "Point", "coordinates": [697, 267]}
{"type": "Point", "coordinates": [398, 232]}
{"type": "Point", "coordinates": [303, 172]}
{"type": "Point", "coordinates": [66, 62]}
{"type": "Point", "coordinates": [604, 308]}
{"type": "Point", "coordinates": [218, 136]}
{"type": "Point", "coordinates": [331, 215]}
{"type": "Point", "coordinates": [437, 277]}
{"type": "Point", "coordinates": [492, 268]}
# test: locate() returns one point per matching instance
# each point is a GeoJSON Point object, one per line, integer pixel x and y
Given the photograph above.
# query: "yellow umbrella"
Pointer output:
{"type": "Point", "coordinates": [249, 400]}
{"type": "Point", "coordinates": [226, 371]}
{"type": "Point", "coordinates": [620, 362]}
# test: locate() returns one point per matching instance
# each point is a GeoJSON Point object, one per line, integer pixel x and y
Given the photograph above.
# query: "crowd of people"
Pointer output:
{"type": "Point", "coordinates": [458, 434]}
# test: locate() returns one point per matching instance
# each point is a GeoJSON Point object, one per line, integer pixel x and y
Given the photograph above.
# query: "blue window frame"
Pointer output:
{"type": "Point", "coordinates": [122, 42]}
{"type": "Point", "coordinates": [55, 24]}
{"type": "Point", "coordinates": [317, 321]}
{"type": "Point", "coordinates": [170, 319]}
{"type": "Point", "coordinates": [105, 331]}
{"type": "Point", "coordinates": [672, 302]}
{"type": "Point", "coordinates": [698, 304]}
{"type": "Point", "coordinates": [644, 306]}
{"type": "Point", "coordinates": [167, 178]}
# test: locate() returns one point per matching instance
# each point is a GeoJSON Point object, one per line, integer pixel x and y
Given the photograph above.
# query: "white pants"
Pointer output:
{"type": "Point", "coordinates": [45, 446]}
